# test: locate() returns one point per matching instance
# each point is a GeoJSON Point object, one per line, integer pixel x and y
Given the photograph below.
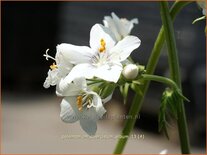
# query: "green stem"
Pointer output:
{"type": "Point", "coordinates": [152, 63]}
{"type": "Point", "coordinates": [175, 75]}
{"type": "Point", "coordinates": [165, 80]}
{"type": "Point", "coordinates": [160, 79]}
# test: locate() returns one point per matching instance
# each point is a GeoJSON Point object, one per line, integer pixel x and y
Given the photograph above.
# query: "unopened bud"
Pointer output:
{"type": "Point", "coordinates": [130, 71]}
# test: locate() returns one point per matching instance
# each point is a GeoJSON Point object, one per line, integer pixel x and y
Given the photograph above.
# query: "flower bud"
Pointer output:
{"type": "Point", "coordinates": [130, 71]}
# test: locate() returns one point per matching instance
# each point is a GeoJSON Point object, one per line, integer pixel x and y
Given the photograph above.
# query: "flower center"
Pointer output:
{"type": "Point", "coordinates": [101, 57]}
{"type": "Point", "coordinates": [53, 66]}
{"type": "Point", "coordinates": [79, 102]}
{"type": "Point", "coordinates": [84, 100]}
{"type": "Point", "coordinates": [103, 45]}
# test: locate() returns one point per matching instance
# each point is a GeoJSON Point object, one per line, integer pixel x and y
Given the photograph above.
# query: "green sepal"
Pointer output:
{"type": "Point", "coordinates": [136, 89]}
{"type": "Point", "coordinates": [125, 92]}
{"type": "Point", "coordinates": [107, 89]}
{"type": "Point", "coordinates": [124, 89]}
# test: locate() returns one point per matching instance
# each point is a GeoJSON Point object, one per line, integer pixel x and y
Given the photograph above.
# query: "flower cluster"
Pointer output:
{"type": "Point", "coordinates": [87, 76]}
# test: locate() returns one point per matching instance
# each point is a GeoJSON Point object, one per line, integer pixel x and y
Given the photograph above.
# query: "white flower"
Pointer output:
{"type": "Point", "coordinates": [202, 4]}
{"type": "Point", "coordinates": [102, 59]}
{"type": "Point", "coordinates": [81, 104]}
{"type": "Point", "coordinates": [59, 69]}
{"type": "Point", "coordinates": [130, 71]}
{"type": "Point", "coordinates": [121, 27]}
{"type": "Point", "coordinates": [52, 77]}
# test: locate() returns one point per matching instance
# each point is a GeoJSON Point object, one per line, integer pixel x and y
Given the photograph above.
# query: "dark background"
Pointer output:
{"type": "Point", "coordinates": [29, 28]}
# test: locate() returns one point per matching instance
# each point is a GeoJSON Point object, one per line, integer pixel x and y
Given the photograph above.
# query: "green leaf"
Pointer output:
{"type": "Point", "coordinates": [182, 96]}
{"type": "Point", "coordinates": [171, 105]}
{"type": "Point", "coordinates": [170, 98]}
{"type": "Point", "coordinates": [168, 103]}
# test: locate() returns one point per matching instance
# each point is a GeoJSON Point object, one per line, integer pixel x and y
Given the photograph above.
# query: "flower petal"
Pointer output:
{"type": "Point", "coordinates": [99, 32]}
{"type": "Point", "coordinates": [52, 79]}
{"type": "Point", "coordinates": [80, 70]}
{"type": "Point", "coordinates": [123, 25]}
{"type": "Point", "coordinates": [72, 100]}
{"type": "Point", "coordinates": [122, 31]}
{"type": "Point", "coordinates": [123, 48]}
{"type": "Point", "coordinates": [109, 23]}
{"type": "Point", "coordinates": [67, 113]}
{"type": "Point", "coordinates": [64, 66]}
{"type": "Point", "coordinates": [70, 89]}
{"type": "Point", "coordinates": [80, 82]}
{"type": "Point", "coordinates": [97, 104]}
{"type": "Point", "coordinates": [130, 24]}
{"type": "Point", "coordinates": [88, 121]}
{"type": "Point", "coordinates": [107, 99]}
{"type": "Point", "coordinates": [75, 54]}
{"type": "Point", "coordinates": [100, 110]}
{"type": "Point", "coordinates": [109, 73]}
{"type": "Point", "coordinates": [89, 126]}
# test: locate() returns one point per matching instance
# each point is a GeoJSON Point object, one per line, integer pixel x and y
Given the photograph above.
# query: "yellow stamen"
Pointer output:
{"type": "Point", "coordinates": [53, 66]}
{"type": "Point", "coordinates": [79, 103]}
{"type": "Point", "coordinates": [103, 46]}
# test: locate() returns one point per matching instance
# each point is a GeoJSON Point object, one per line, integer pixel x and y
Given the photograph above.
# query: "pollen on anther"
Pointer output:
{"type": "Point", "coordinates": [103, 46]}
{"type": "Point", "coordinates": [53, 66]}
{"type": "Point", "coordinates": [79, 103]}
